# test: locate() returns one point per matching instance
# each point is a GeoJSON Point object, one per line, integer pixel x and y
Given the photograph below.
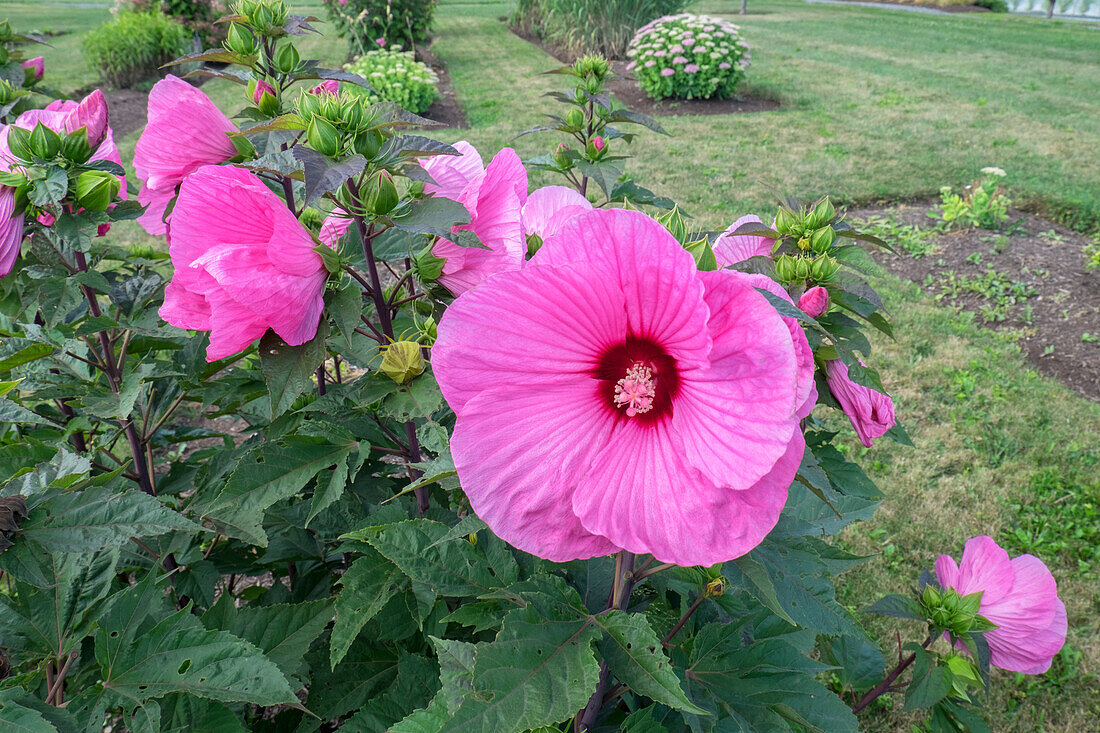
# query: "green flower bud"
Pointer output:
{"type": "Point", "coordinates": [562, 157]}
{"type": "Point", "coordinates": [287, 58]}
{"type": "Point", "coordinates": [703, 253]}
{"type": "Point", "coordinates": [787, 268]}
{"type": "Point", "coordinates": [19, 142]}
{"type": "Point", "coordinates": [308, 105]}
{"type": "Point", "coordinates": [96, 190]}
{"type": "Point", "coordinates": [428, 331]}
{"type": "Point", "coordinates": [75, 147]}
{"type": "Point", "coordinates": [822, 214]}
{"type": "Point", "coordinates": [368, 143]}
{"type": "Point", "coordinates": [580, 97]}
{"type": "Point", "coordinates": [574, 118]}
{"type": "Point", "coordinates": [596, 148]}
{"type": "Point", "coordinates": [822, 239]}
{"type": "Point", "coordinates": [240, 40]}
{"type": "Point", "coordinates": [44, 142]}
{"type": "Point", "coordinates": [142, 251]}
{"type": "Point", "coordinates": [534, 243]}
{"type": "Point", "coordinates": [402, 361]}
{"type": "Point", "coordinates": [594, 85]}
{"type": "Point", "coordinates": [784, 220]}
{"type": "Point", "coordinates": [823, 269]}
{"type": "Point", "coordinates": [323, 137]}
{"type": "Point", "coordinates": [932, 596]}
{"type": "Point", "coordinates": [379, 194]}
{"type": "Point", "coordinates": [802, 269]}
{"type": "Point", "coordinates": [674, 222]}
{"type": "Point", "coordinates": [427, 266]}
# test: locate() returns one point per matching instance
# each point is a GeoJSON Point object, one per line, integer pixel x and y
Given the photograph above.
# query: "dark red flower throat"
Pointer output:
{"type": "Point", "coordinates": [638, 379]}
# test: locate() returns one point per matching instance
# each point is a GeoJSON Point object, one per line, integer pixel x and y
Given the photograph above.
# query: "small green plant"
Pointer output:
{"type": "Point", "coordinates": [1000, 292]}
{"type": "Point", "coordinates": [581, 27]}
{"type": "Point", "coordinates": [133, 46]}
{"type": "Point", "coordinates": [910, 238]}
{"type": "Point", "coordinates": [688, 57]}
{"type": "Point", "coordinates": [368, 24]}
{"type": "Point", "coordinates": [397, 77]}
{"type": "Point", "coordinates": [1090, 338]}
{"type": "Point", "coordinates": [1092, 254]}
{"type": "Point", "coordinates": [981, 204]}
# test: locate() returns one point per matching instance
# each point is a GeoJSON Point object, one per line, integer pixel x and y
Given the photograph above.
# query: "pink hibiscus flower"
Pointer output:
{"type": "Point", "coordinates": [806, 395]}
{"type": "Point", "coordinates": [334, 227]}
{"type": "Point", "coordinates": [814, 302]}
{"type": "Point", "coordinates": [730, 248]}
{"type": "Point", "coordinates": [243, 263]}
{"type": "Point", "coordinates": [1018, 595]}
{"type": "Point", "coordinates": [495, 201]}
{"type": "Point", "coordinates": [870, 411]}
{"type": "Point", "coordinates": [11, 230]}
{"type": "Point", "coordinates": [548, 208]}
{"type": "Point", "coordinates": [453, 173]}
{"type": "Point", "coordinates": [37, 66]}
{"type": "Point", "coordinates": [185, 132]}
{"type": "Point", "coordinates": [609, 396]}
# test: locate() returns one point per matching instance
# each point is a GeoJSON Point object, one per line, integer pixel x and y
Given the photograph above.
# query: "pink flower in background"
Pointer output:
{"type": "Point", "coordinates": [380, 41]}
{"type": "Point", "coordinates": [730, 248]}
{"type": "Point", "coordinates": [610, 395]}
{"type": "Point", "coordinates": [631, 65]}
{"type": "Point", "coordinates": [494, 200]}
{"type": "Point", "coordinates": [261, 87]}
{"type": "Point", "coordinates": [814, 302]}
{"type": "Point", "coordinates": [243, 263]}
{"type": "Point", "coordinates": [871, 412]}
{"type": "Point", "coordinates": [548, 208]}
{"type": "Point", "coordinates": [11, 230]}
{"type": "Point", "coordinates": [328, 86]}
{"type": "Point", "coordinates": [667, 72]}
{"type": "Point", "coordinates": [691, 68]}
{"type": "Point", "coordinates": [37, 65]}
{"type": "Point", "coordinates": [334, 227]}
{"type": "Point", "coordinates": [185, 132]}
{"type": "Point", "coordinates": [650, 64]}
{"type": "Point", "coordinates": [1019, 595]}
{"type": "Point", "coordinates": [679, 60]}
{"type": "Point", "coordinates": [453, 173]}
{"type": "Point", "coordinates": [660, 54]}
{"type": "Point", "coordinates": [724, 65]}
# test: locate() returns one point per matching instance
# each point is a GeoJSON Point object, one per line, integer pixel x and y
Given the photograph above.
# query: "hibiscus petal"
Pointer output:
{"type": "Point", "coordinates": [517, 449]}
{"type": "Point", "coordinates": [730, 249]}
{"type": "Point", "coordinates": [156, 203]}
{"type": "Point", "coordinates": [185, 308]}
{"type": "Point", "coordinates": [736, 415]}
{"type": "Point", "coordinates": [1031, 605]}
{"type": "Point", "coordinates": [985, 567]}
{"type": "Point", "coordinates": [1030, 652]}
{"type": "Point", "coordinates": [529, 327]}
{"type": "Point", "coordinates": [233, 327]}
{"type": "Point", "coordinates": [452, 173]}
{"type": "Point", "coordinates": [549, 207]}
{"type": "Point", "coordinates": [334, 227]}
{"type": "Point", "coordinates": [947, 571]}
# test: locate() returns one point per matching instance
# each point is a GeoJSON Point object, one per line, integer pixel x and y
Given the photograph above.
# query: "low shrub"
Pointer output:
{"type": "Point", "coordinates": [198, 16]}
{"type": "Point", "coordinates": [581, 27]}
{"type": "Point", "coordinates": [997, 6]}
{"type": "Point", "coordinates": [981, 204]}
{"type": "Point", "coordinates": [368, 24]}
{"type": "Point", "coordinates": [688, 57]}
{"type": "Point", "coordinates": [133, 47]}
{"type": "Point", "coordinates": [397, 77]}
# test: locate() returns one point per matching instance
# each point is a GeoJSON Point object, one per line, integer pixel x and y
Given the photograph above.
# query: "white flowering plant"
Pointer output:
{"type": "Point", "coordinates": [688, 56]}
{"type": "Point", "coordinates": [397, 77]}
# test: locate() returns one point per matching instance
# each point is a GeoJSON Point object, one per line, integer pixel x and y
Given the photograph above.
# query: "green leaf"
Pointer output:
{"type": "Point", "coordinates": [275, 471]}
{"type": "Point", "coordinates": [636, 658]}
{"type": "Point", "coordinates": [449, 568]}
{"type": "Point", "coordinates": [760, 586]}
{"type": "Point", "coordinates": [604, 174]}
{"type": "Point", "coordinates": [12, 413]}
{"type": "Point", "coordinates": [284, 632]}
{"type": "Point", "coordinates": [537, 672]}
{"type": "Point", "coordinates": [435, 215]}
{"type": "Point", "coordinates": [456, 670]}
{"type": "Point", "coordinates": [17, 352]}
{"type": "Point", "coordinates": [418, 398]}
{"type": "Point", "coordinates": [328, 489]}
{"type": "Point", "coordinates": [97, 517]}
{"type": "Point", "coordinates": [860, 662]}
{"type": "Point", "coordinates": [415, 684]}
{"type": "Point", "coordinates": [289, 369]}
{"type": "Point", "coordinates": [930, 683]}
{"type": "Point", "coordinates": [368, 585]}
{"type": "Point", "coordinates": [15, 718]}
{"type": "Point", "coordinates": [897, 606]}
{"type": "Point", "coordinates": [322, 175]}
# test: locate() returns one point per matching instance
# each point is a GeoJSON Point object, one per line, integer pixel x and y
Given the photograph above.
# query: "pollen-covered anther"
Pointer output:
{"type": "Point", "coordinates": [635, 391]}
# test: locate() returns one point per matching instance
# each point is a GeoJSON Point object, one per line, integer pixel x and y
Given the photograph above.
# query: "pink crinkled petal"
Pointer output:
{"type": "Point", "coordinates": [91, 114]}
{"type": "Point", "coordinates": [529, 327]}
{"type": "Point", "coordinates": [518, 450]}
{"type": "Point", "coordinates": [185, 132]}
{"type": "Point", "coordinates": [233, 327]}
{"type": "Point", "coordinates": [549, 207]}
{"type": "Point", "coordinates": [985, 567]}
{"type": "Point", "coordinates": [658, 277]}
{"type": "Point", "coordinates": [185, 308]}
{"type": "Point", "coordinates": [11, 231]}
{"type": "Point", "coordinates": [1031, 605]}
{"type": "Point", "coordinates": [453, 173]}
{"type": "Point", "coordinates": [334, 227]}
{"type": "Point", "coordinates": [1030, 652]}
{"type": "Point", "coordinates": [729, 249]}
{"type": "Point", "coordinates": [736, 415]}
{"type": "Point", "coordinates": [156, 203]}
{"type": "Point", "coordinates": [947, 571]}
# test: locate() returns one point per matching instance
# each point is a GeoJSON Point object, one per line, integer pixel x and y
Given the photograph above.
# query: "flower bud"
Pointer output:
{"type": "Point", "coordinates": [822, 239]}
{"type": "Point", "coordinates": [674, 222]}
{"type": "Point", "coordinates": [33, 70]}
{"type": "Point", "coordinates": [323, 137]}
{"type": "Point", "coordinates": [784, 220]}
{"type": "Point", "coordinates": [328, 86]}
{"type": "Point", "coordinates": [379, 194]}
{"type": "Point", "coordinates": [75, 147]}
{"type": "Point", "coordinates": [580, 97]}
{"type": "Point", "coordinates": [308, 105]}
{"type": "Point", "coordinates": [534, 244]}
{"type": "Point", "coordinates": [416, 189]}
{"type": "Point", "coordinates": [787, 268]}
{"type": "Point", "coordinates": [142, 251]}
{"type": "Point", "coordinates": [703, 252]}
{"type": "Point", "coordinates": [596, 148]}
{"type": "Point", "coordinates": [593, 84]}
{"type": "Point", "coordinates": [45, 144]}
{"type": "Point", "coordinates": [823, 269]}
{"type": "Point", "coordinates": [287, 58]}
{"type": "Point", "coordinates": [574, 118]}
{"type": "Point", "coordinates": [19, 142]}
{"type": "Point", "coordinates": [802, 268]}
{"type": "Point", "coordinates": [240, 40]}
{"type": "Point", "coordinates": [822, 214]}
{"type": "Point", "coordinates": [91, 114]}
{"type": "Point", "coordinates": [562, 157]}
{"type": "Point", "coordinates": [96, 190]}
{"type": "Point", "coordinates": [427, 266]}
{"type": "Point", "coordinates": [429, 330]}
{"type": "Point", "coordinates": [402, 361]}
{"type": "Point", "coordinates": [932, 596]}
{"type": "Point", "coordinates": [814, 302]}
{"type": "Point", "coordinates": [264, 97]}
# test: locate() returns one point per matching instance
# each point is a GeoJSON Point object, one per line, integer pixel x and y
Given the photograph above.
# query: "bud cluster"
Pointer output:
{"type": "Point", "coordinates": [946, 609]}
{"type": "Point", "coordinates": [340, 123]}
{"type": "Point", "coordinates": [812, 234]}
{"type": "Point", "coordinates": [266, 17]}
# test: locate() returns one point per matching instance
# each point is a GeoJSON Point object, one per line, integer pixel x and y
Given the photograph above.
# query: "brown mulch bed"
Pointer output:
{"type": "Point", "coordinates": [446, 109]}
{"type": "Point", "coordinates": [128, 109]}
{"type": "Point", "coordinates": [933, 6]}
{"type": "Point", "coordinates": [624, 87]}
{"type": "Point", "coordinates": [1049, 324]}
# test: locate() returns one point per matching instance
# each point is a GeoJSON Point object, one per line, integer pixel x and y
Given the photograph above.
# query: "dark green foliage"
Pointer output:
{"type": "Point", "coordinates": [133, 46]}
{"type": "Point", "coordinates": [578, 27]}
{"type": "Point", "coordinates": [400, 24]}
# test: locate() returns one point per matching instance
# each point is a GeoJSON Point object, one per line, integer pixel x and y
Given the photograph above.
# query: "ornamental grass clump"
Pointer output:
{"type": "Point", "coordinates": [688, 57]}
{"type": "Point", "coordinates": [133, 46]}
{"type": "Point", "coordinates": [397, 77]}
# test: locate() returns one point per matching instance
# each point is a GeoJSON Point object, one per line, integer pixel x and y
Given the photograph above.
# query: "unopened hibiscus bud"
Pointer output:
{"type": "Point", "coordinates": [814, 302]}
{"type": "Point", "coordinates": [308, 105]}
{"type": "Point", "coordinates": [19, 142]}
{"type": "Point", "coordinates": [822, 239]}
{"type": "Point", "coordinates": [75, 147]}
{"type": "Point", "coordinates": [33, 69]}
{"type": "Point", "coordinates": [784, 220]}
{"type": "Point", "coordinates": [92, 115]}
{"type": "Point", "coordinates": [596, 147]}
{"type": "Point", "coordinates": [328, 86]}
{"type": "Point", "coordinates": [323, 137]}
{"type": "Point", "coordinates": [429, 330]}
{"type": "Point", "coordinates": [264, 97]}
{"type": "Point", "coordinates": [379, 194]}
{"type": "Point", "coordinates": [240, 40]}
{"type": "Point", "coordinates": [287, 58]}
{"type": "Point", "coordinates": [562, 157]}
{"type": "Point", "coordinates": [823, 269]}
{"type": "Point", "coordinates": [534, 244]}
{"type": "Point", "coordinates": [402, 361]}
{"type": "Point", "coordinates": [703, 252]}
{"type": "Point", "coordinates": [427, 266]}
{"type": "Point", "coordinates": [44, 142]}
{"type": "Point", "coordinates": [96, 190]}
{"type": "Point", "coordinates": [674, 222]}
{"type": "Point", "coordinates": [787, 268]}
{"type": "Point", "coordinates": [142, 251]}
{"type": "Point", "coordinates": [574, 119]}
{"type": "Point", "coordinates": [822, 214]}
{"type": "Point", "coordinates": [802, 268]}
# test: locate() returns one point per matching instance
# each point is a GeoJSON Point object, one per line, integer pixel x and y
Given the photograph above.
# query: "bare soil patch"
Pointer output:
{"type": "Point", "coordinates": [1028, 280]}
{"type": "Point", "coordinates": [624, 87]}
{"type": "Point", "coordinates": [446, 108]}
{"type": "Point", "coordinates": [128, 110]}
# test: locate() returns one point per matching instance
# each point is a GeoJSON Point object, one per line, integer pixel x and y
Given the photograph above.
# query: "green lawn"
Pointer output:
{"type": "Point", "coordinates": [876, 105]}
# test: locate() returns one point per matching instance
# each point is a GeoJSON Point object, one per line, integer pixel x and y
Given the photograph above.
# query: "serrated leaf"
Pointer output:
{"type": "Point", "coordinates": [418, 398]}
{"type": "Point", "coordinates": [367, 586]}
{"type": "Point", "coordinates": [449, 568]}
{"type": "Point", "coordinates": [322, 175]}
{"type": "Point", "coordinates": [18, 352]}
{"type": "Point", "coordinates": [289, 370]}
{"type": "Point", "coordinates": [897, 606]}
{"type": "Point", "coordinates": [456, 670]}
{"type": "Point", "coordinates": [434, 215]}
{"type": "Point", "coordinates": [760, 586]}
{"type": "Point", "coordinates": [930, 684]}
{"type": "Point", "coordinates": [283, 632]}
{"type": "Point", "coordinates": [603, 174]}
{"type": "Point", "coordinates": [330, 487]}
{"type": "Point", "coordinates": [636, 658]}
{"type": "Point", "coordinates": [15, 718]}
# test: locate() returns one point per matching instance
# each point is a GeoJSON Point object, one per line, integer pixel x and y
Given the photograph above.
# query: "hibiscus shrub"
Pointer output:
{"type": "Point", "coordinates": [396, 76]}
{"type": "Point", "coordinates": [368, 24]}
{"type": "Point", "coordinates": [133, 47]}
{"type": "Point", "coordinates": [388, 441]}
{"type": "Point", "coordinates": [688, 57]}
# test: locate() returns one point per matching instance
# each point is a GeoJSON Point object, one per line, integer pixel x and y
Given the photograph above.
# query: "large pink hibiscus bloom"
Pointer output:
{"type": "Point", "coordinates": [185, 132]}
{"type": "Point", "coordinates": [1018, 595]}
{"type": "Point", "coordinates": [11, 230]}
{"type": "Point", "coordinates": [243, 263]}
{"type": "Point", "coordinates": [611, 396]}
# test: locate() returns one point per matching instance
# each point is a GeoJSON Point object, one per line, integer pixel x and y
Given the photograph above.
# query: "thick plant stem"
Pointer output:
{"type": "Point", "coordinates": [683, 620]}
{"type": "Point", "coordinates": [885, 685]}
{"type": "Point", "coordinates": [620, 597]}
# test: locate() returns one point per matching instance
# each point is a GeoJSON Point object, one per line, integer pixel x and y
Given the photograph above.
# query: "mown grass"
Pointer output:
{"type": "Point", "coordinates": [876, 105]}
